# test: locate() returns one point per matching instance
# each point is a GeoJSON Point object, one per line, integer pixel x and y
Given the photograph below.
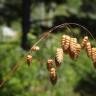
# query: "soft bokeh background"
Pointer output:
{"type": "Point", "coordinates": [21, 24]}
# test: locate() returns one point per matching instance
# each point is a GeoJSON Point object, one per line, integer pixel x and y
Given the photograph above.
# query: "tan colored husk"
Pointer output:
{"type": "Point", "coordinates": [84, 41]}
{"type": "Point", "coordinates": [59, 57]}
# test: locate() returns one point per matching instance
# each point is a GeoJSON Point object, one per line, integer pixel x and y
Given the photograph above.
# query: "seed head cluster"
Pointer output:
{"type": "Point", "coordinates": [70, 46]}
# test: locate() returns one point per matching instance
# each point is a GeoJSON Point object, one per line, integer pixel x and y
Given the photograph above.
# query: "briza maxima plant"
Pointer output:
{"type": "Point", "coordinates": [69, 45]}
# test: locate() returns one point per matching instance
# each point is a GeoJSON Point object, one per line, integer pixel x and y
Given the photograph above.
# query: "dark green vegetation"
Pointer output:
{"type": "Point", "coordinates": [75, 78]}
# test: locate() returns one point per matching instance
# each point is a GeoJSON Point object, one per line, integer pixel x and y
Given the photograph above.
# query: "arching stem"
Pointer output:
{"type": "Point", "coordinates": [62, 26]}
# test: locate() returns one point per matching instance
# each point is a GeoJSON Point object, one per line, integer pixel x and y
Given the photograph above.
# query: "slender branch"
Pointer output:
{"type": "Point", "coordinates": [7, 77]}
{"type": "Point", "coordinates": [62, 26]}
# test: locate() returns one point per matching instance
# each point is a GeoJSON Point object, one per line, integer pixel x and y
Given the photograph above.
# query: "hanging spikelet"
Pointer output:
{"type": "Point", "coordinates": [53, 76]}
{"type": "Point", "coordinates": [65, 42]}
{"type": "Point", "coordinates": [59, 57]}
{"type": "Point", "coordinates": [78, 49]}
{"type": "Point", "coordinates": [35, 48]}
{"type": "Point", "coordinates": [49, 64]}
{"type": "Point", "coordinates": [73, 50]}
{"type": "Point", "coordinates": [89, 49]}
{"type": "Point", "coordinates": [94, 56]}
{"type": "Point", "coordinates": [29, 59]}
{"type": "Point", "coordinates": [85, 40]}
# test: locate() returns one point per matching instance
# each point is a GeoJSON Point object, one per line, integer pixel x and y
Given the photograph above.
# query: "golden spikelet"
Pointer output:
{"type": "Point", "coordinates": [72, 52]}
{"type": "Point", "coordinates": [35, 48]}
{"type": "Point", "coordinates": [85, 40]}
{"type": "Point", "coordinates": [88, 49]}
{"type": "Point", "coordinates": [78, 49]}
{"type": "Point", "coordinates": [65, 42]}
{"type": "Point", "coordinates": [29, 59]}
{"type": "Point", "coordinates": [53, 76]}
{"type": "Point", "coordinates": [49, 64]}
{"type": "Point", "coordinates": [59, 57]}
{"type": "Point", "coordinates": [94, 56]}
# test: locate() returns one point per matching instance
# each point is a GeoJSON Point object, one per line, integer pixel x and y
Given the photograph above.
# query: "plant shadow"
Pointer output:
{"type": "Point", "coordinates": [86, 86]}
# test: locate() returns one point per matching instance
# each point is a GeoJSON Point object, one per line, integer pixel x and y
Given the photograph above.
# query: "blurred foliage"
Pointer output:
{"type": "Point", "coordinates": [34, 80]}
{"type": "Point", "coordinates": [11, 10]}
{"type": "Point", "coordinates": [75, 78]}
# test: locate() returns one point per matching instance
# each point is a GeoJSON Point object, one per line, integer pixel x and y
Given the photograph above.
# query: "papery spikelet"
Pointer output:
{"type": "Point", "coordinates": [65, 42]}
{"type": "Point", "coordinates": [29, 59]}
{"type": "Point", "coordinates": [59, 57]}
{"type": "Point", "coordinates": [78, 49]}
{"type": "Point", "coordinates": [53, 76]}
{"type": "Point", "coordinates": [88, 49]}
{"type": "Point", "coordinates": [35, 48]}
{"type": "Point", "coordinates": [73, 50]}
{"type": "Point", "coordinates": [94, 56]}
{"type": "Point", "coordinates": [85, 40]}
{"type": "Point", "coordinates": [49, 64]}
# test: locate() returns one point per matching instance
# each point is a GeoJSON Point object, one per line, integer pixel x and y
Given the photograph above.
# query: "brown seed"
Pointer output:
{"type": "Point", "coordinates": [85, 40]}
{"type": "Point", "coordinates": [49, 64]}
{"type": "Point", "coordinates": [59, 57]}
{"type": "Point", "coordinates": [29, 59]}
{"type": "Point", "coordinates": [53, 76]}
{"type": "Point", "coordinates": [35, 48]}
{"type": "Point", "coordinates": [89, 49]}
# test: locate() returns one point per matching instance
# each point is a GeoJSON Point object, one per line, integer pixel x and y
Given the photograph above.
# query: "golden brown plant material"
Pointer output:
{"type": "Point", "coordinates": [53, 76]}
{"type": "Point", "coordinates": [65, 42]}
{"type": "Point", "coordinates": [73, 50]}
{"type": "Point", "coordinates": [85, 40]}
{"type": "Point", "coordinates": [78, 49]}
{"type": "Point", "coordinates": [89, 49]}
{"type": "Point", "coordinates": [59, 57]}
{"type": "Point", "coordinates": [29, 59]}
{"type": "Point", "coordinates": [35, 48]}
{"type": "Point", "coordinates": [49, 64]}
{"type": "Point", "coordinates": [94, 56]}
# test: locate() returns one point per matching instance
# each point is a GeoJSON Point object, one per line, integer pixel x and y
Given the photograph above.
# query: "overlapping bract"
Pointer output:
{"type": "Point", "coordinates": [70, 46]}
